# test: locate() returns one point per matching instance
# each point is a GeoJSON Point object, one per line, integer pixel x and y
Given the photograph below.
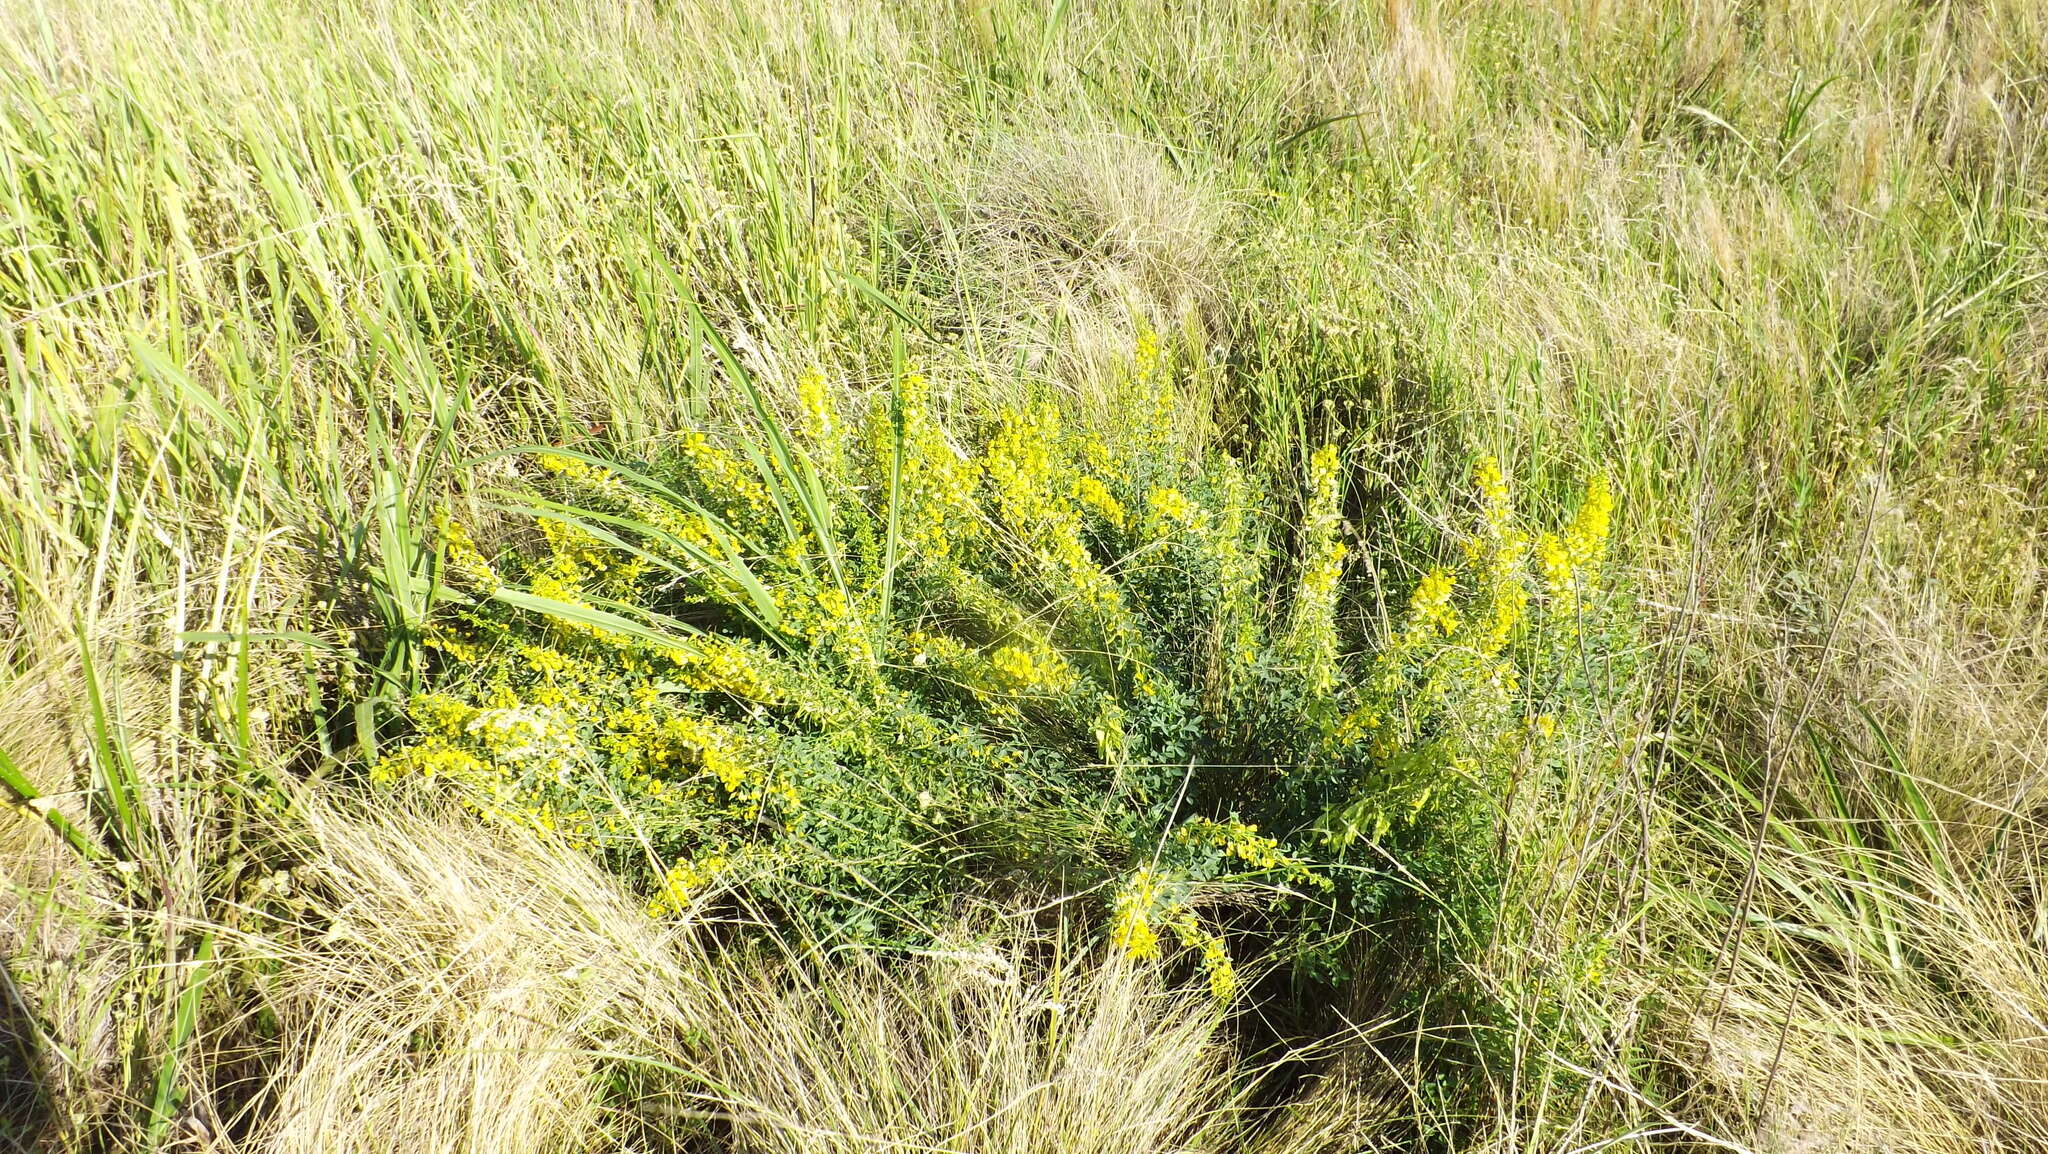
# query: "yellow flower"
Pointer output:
{"type": "Point", "coordinates": [681, 884]}
{"type": "Point", "coordinates": [816, 403]}
{"type": "Point", "coordinates": [1215, 956]}
{"type": "Point", "coordinates": [1243, 841]}
{"type": "Point", "coordinates": [1022, 466]}
{"type": "Point", "coordinates": [729, 481]}
{"type": "Point", "coordinates": [715, 752]}
{"type": "Point", "coordinates": [1013, 663]}
{"type": "Point", "coordinates": [573, 555]}
{"type": "Point", "coordinates": [1131, 926]}
{"type": "Point", "coordinates": [430, 759]}
{"type": "Point", "coordinates": [1430, 605]}
{"type": "Point", "coordinates": [936, 507]}
{"type": "Point", "coordinates": [1091, 493]}
{"type": "Point", "coordinates": [1145, 358]}
{"type": "Point", "coordinates": [463, 559]}
{"type": "Point", "coordinates": [1028, 474]}
{"type": "Point", "coordinates": [1238, 571]}
{"type": "Point", "coordinates": [544, 661]}
{"type": "Point", "coordinates": [1585, 540]}
{"type": "Point", "coordinates": [1148, 404]}
{"type": "Point", "coordinates": [1312, 633]}
{"type": "Point", "coordinates": [1556, 563]}
{"type": "Point", "coordinates": [722, 666]}
{"type": "Point", "coordinates": [1169, 504]}
{"type": "Point", "coordinates": [1493, 487]}
{"type": "Point", "coordinates": [1501, 551]}
{"type": "Point", "coordinates": [531, 735]}
{"type": "Point", "coordinates": [457, 648]}
{"type": "Point", "coordinates": [1356, 725]}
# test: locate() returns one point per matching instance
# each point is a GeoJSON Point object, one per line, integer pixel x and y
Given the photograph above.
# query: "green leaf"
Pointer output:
{"type": "Point", "coordinates": [598, 618]}
{"type": "Point", "coordinates": [15, 782]}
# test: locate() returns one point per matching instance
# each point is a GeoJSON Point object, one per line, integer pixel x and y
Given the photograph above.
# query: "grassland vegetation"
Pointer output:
{"type": "Point", "coordinates": [993, 576]}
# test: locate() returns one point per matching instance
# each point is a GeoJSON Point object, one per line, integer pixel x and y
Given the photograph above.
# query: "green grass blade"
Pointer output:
{"type": "Point", "coordinates": [164, 1102]}
{"type": "Point", "coordinates": [25, 794]}
{"type": "Point", "coordinates": [595, 618]}
{"type": "Point", "coordinates": [117, 795]}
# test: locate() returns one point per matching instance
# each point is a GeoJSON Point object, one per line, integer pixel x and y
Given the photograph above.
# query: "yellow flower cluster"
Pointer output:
{"type": "Point", "coordinates": [486, 752]}
{"type": "Point", "coordinates": [1112, 734]}
{"type": "Point", "coordinates": [1023, 471]}
{"type": "Point", "coordinates": [1312, 632]}
{"type": "Point", "coordinates": [1237, 574]}
{"type": "Point", "coordinates": [1569, 560]}
{"type": "Point", "coordinates": [735, 490]}
{"type": "Point", "coordinates": [456, 646]}
{"type": "Point", "coordinates": [1171, 509]}
{"type": "Point", "coordinates": [535, 736]}
{"type": "Point", "coordinates": [720, 665]}
{"type": "Point", "coordinates": [430, 760]}
{"type": "Point", "coordinates": [1243, 842]}
{"type": "Point", "coordinates": [1446, 691]}
{"type": "Point", "coordinates": [1091, 494]}
{"type": "Point", "coordinates": [1429, 606]}
{"type": "Point", "coordinates": [1213, 954]}
{"type": "Point", "coordinates": [573, 555]}
{"type": "Point", "coordinates": [828, 618]}
{"type": "Point", "coordinates": [1033, 668]}
{"type": "Point", "coordinates": [657, 744]}
{"type": "Point", "coordinates": [604, 488]}
{"type": "Point", "coordinates": [1586, 538]}
{"type": "Point", "coordinates": [549, 662]}
{"type": "Point", "coordinates": [1029, 475]}
{"type": "Point", "coordinates": [1501, 551]}
{"type": "Point", "coordinates": [819, 421]}
{"type": "Point", "coordinates": [682, 882]}
{"type": "Point", "coordinates": [936, 511]}
{"type": "Point", "coordinates": [1130, 927]}
{"type": "Point", "coordinates": [1147, 400]}
{"type": "Point", "coordinates": [733, 483]}
{"type": "Point", "coordinates": [1142, 911]}
{"type": "Point", "coordinates": [1145, 356]}
{"type": "Point", "coordinates": [515, 743]}
{"type": "Point", "coordinates": [1357, 725]}
{"type": "Point", "coordinates": [584, 474]}
{"type": "Point", "coordinates": [461, 556]}
{"type": "Point", "coordinates": [935, 650]}
{"type": "Point", "coordinates": [1096, 460]}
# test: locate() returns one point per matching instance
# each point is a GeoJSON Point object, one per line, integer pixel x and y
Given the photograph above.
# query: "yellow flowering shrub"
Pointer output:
{"type": "Point", "coordinates": [878, 654]}
{"type": "Point", "coordinates": [1448, 703]}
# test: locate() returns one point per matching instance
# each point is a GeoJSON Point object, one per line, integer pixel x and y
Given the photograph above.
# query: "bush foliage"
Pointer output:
{"type": "Point", "coordinates": [850, 663]}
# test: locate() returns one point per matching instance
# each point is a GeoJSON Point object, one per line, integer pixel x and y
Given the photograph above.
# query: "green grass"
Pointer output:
{"type": "Point", "coordinates": [283, 288]}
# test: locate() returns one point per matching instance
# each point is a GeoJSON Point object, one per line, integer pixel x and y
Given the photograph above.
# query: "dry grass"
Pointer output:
{"type": "Point", "coordinates": [420, 982]}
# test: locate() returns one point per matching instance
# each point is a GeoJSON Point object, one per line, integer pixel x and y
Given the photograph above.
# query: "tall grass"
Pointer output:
{"type": "Point", "coordinates": [279, 284]}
